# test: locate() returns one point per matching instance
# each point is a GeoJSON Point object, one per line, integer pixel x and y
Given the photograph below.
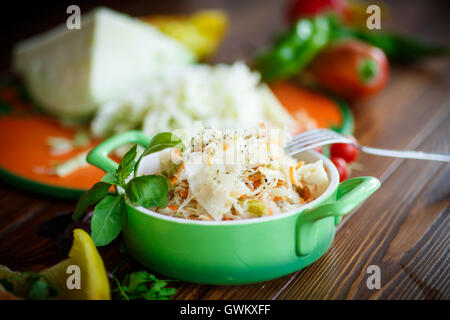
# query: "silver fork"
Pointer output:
{"type": "Point", "coordinates": [319, 137]}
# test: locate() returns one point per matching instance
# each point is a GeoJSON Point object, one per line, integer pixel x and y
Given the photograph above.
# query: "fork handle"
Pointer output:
{"type": "Point", "coordinates": [406, 154]}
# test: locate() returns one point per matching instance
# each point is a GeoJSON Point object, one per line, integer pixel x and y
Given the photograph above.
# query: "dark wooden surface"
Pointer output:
{"type": "Point", "coordinates": [403, 228]}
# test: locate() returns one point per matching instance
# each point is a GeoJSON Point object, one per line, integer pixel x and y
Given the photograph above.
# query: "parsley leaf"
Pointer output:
{"type": "Point", "coordinates": [108, 219]}
{"type": "Point", "coordinates": [148, 191]}
{"type": "Point", "coordinates": [7, 285]}
{"type": "Point", "coordinates": [142, 285]}
{"type": "Point", "coordinates": [29, 285]}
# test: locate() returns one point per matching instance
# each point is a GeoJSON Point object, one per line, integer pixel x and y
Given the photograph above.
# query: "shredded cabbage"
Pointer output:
{"type": "Point", "coordinates": [236, 174]}
{"type": "Point", "coordinates": [220, 96]}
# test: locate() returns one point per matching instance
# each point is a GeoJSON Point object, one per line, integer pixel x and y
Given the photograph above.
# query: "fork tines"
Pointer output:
{"type": "Point", "coordinates": [314, 138]}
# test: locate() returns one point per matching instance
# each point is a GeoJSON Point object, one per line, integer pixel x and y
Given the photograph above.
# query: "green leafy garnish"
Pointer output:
{"type": "Point", "coordinates": [108, 219]}
{"type": "Point", "coordinates": [142, 285]}
{"type": "Point", "coordinates": [39, 287]}
{"type": "Point", "coordinates": [147, 191]}
{"type": "Point", "coordinates": [160, 142]}
{"type": "Point", "coordinates": [124, 169]}
{"type": "Point", "coordinates": [91, 197]}
{"type": "Point", "coordinates": [397, 47]}
{"type": "Point", "coordinates": [28, 285]}
{"type": "Point", "coordinates": [163, 141]}
{"type": "Point", "coordinates": [7, 285]}
{"type": "Point", "coordinates": [126, 166]}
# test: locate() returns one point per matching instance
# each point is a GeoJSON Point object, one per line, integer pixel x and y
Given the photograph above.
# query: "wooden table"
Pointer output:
{"type": "Point", "coordinates": [403, 228]}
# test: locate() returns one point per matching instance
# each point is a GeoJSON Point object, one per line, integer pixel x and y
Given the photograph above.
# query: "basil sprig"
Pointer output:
{"type": "Point", "coordinates": [147, 191]}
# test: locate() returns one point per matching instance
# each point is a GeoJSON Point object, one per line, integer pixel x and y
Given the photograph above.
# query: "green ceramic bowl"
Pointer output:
{"type": "Point", "coordinates": [236, 252]}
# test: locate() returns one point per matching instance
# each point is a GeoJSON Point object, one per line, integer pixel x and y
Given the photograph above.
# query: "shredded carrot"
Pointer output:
{"type": "Point", "coordinates": [225, 147]}
{"type": "Point", "coordinates": [243, 196]}
{"type": "Point", "coordinates": [183, 194]}
{"type": "Point", "coordinates": [277, 198]}
{"type": "Point", "coordinates": [270, 211]}
{"type": "Point", "coordinates": [255, 177]}
{"type": "Point", "coordinates": [291, 176]}
{"type": "Point", "coordinates": [281, 183]}
{"type": "Point", "coordinates": [175, 178]}
{"type": "Point", "coordinates": [172, 207]}
{"type": "Point", "coordinates": [262, 125]}
{"type": "Point", "coordinates": [299, 165]}
{"type": "Point", "coordinates": [228, 218]}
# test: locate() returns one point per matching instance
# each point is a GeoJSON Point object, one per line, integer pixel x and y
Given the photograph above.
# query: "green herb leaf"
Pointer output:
{"type": "Point", "coordinates": [163, 141]}
{"type": "Point", "coordinates": [111, 178]}
{"type": "Point", "coordinates": [136, 279]}
{"type": "Point", "coordinates": [38, 291]}
{"type": "Point", "coordinates": [160, 142]}
{"type": "Point", "coordinates": [7, 285]}
{"type": "Point", "coordinates": [37, 287]}
{"type": "Point", "coordinates": [148, 191]}
{"type": "Point", "coordinates": [142, 285]}
{"type": "Point", "coordinates": [126, 165]}
{"type": "Point", "coordinates": [108, 219]}
{"type": "Point", "coordinates": [91, 197]}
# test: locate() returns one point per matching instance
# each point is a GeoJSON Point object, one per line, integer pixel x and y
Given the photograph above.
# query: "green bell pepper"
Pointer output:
{"type": "Point", "coordinates": [294, 49]}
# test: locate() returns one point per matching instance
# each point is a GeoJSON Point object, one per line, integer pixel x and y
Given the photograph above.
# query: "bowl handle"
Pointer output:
{"type": "Point", "coordinates": [99, 155]}
{"type": "Point", "coordinates": [350, 194]}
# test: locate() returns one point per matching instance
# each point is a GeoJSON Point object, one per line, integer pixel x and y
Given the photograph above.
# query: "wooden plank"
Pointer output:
{"type": "Point", "coordinates": [23, 249]}
{"type": "Point", "coordinates": [16, 207]}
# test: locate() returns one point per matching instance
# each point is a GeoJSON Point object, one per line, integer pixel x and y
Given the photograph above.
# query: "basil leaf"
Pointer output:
{"type": "Point", "coordinates": [148, 191]}
{"type": "Point", "coordinates": [90, 197]}
{"type": "Point", "coordinates": [108, 219]}
{"type": "Point", "coordinates": [111, 178]}
{"type": "Point", "coordinates": [163, 141]}
{"type": "Point", "coordinates": [160, 142]}
{"type": "Point", "coordinates": [126, 165]}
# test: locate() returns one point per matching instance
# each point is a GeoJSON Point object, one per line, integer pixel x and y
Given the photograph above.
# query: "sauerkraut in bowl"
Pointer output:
{"type": "Point", "coordinates": [237, 174]}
